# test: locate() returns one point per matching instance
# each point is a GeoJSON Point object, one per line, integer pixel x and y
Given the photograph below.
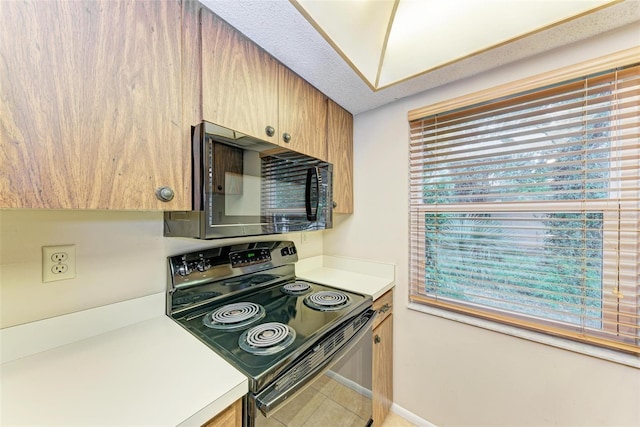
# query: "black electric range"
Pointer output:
{"type": "Point", "coordinates": [245, 302]}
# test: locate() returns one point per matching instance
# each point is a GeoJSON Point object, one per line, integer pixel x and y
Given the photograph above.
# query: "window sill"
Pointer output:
{"type": "Point", "coordinates": [588, 350]}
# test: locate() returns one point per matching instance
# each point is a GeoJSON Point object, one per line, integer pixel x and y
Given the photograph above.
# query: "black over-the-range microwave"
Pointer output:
{"type": "Point", "coordinates": [243, 186]}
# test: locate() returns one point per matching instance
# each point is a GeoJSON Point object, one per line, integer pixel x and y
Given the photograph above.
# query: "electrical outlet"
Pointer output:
{"type": "Point", "coordinates": [60, 257]}
{"type": "Point", "coordinates": [58, 263]}
{"type": "Point", "coordinates": [59, 268]}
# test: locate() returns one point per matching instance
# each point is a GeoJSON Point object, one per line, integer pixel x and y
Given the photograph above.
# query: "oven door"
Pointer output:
{"type": "Point", "coordinates": [321, 389]}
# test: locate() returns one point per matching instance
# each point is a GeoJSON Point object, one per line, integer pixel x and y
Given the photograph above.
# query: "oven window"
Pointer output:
{"type": "Point", "coordinates": [341, 396]}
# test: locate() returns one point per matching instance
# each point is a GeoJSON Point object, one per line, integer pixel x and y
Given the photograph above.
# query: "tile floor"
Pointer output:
{"type": "Point", "coordinates": [395, 420]}
{"type": "Point", "coordinates": [327, 403]}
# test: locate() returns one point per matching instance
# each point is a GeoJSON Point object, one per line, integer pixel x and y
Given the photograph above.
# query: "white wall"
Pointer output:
{"type": "Point", "coordinates": [450, 373]}
{"type": "Point", "coordinates": [119, 256]}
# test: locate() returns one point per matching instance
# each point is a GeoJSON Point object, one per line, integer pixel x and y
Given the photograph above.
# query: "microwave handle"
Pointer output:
{"type": "Point", "coordinates": [312, 205]}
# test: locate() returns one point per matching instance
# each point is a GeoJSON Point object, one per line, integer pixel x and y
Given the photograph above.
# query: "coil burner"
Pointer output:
{"type": "Point", "coordinates": [267, 338]}
{"type": "Point", "coordinates": [327, 300]}
{"type": "Point", "coordinates": [232, 317]}
{"type": "Point", "coordinates": [296, 288]}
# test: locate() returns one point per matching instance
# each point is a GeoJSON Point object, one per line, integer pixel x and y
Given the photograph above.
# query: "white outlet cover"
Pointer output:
{"type": "Point", "coordinates": [58, 263]}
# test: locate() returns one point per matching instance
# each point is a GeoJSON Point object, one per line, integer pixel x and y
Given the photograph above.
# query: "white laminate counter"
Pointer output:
{"type": "Point", "coordinates": [150, 372]}
{"type": "Point", "coordinates": [127, 364]}
{"type": "Point", "coordinates": [364, 277]}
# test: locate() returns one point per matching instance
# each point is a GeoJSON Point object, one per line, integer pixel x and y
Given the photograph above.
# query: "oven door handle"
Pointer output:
{"type": "Point", "coordinates": [268, 404]}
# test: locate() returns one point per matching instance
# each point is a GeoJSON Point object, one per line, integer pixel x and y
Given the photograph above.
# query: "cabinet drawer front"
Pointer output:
{"type": "Point", "coordinates": [384, 307]}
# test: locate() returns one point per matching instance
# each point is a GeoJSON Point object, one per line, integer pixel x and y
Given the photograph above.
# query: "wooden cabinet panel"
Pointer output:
{"type": "Point", "coordinates": [247, 90]}
{"type": "Point", "coordinates": [384, 306]}
{"type": "Point", "coordinates": [91, 112]}
{"type": "Point", "coordinates": [230, 417]}
{"type": "Point", "coordinates": [239, 80]}
{"type": "Point", "coordinates": [383, 370]}
{"type": "Point", "coordinates": [303, 115]}
{"type": "Point", "coordinates": [383, 358]}
{"type": "Point", "coordinates": [340, 154]}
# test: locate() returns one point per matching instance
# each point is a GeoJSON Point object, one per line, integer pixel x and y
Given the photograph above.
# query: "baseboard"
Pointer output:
{"type": "Point", "coordinates": [410, 416]}
{"type": "Point", "coordinates": [350, 384]}
{"type": "Point", "coordinates": [395, 408]}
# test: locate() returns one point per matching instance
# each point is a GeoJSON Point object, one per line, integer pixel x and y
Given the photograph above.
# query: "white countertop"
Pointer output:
{"type": "Point", "coordinates": [151, 373]}
{"type": "Point", "coordinates": [129, 364]}
{"type": "Point", "coordinates": [364, 277]}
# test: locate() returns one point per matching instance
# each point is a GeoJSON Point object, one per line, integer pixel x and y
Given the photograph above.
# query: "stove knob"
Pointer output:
{"type": "Point", "coordinates": [184, 270]}
{"type": "Point", "coordinates": [203, 266]}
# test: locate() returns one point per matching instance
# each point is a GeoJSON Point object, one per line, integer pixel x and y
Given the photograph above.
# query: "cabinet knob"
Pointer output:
{"type": "Point", "coordinates": [286, 137]}
{"type": "Point", "coordinates": [219, 187]}
{"type": "Point", "coordinates": [270, 131]}
{"type": "Point", "coordinates": [164, 194]}
{"type": "Point", "coordinates": [334, 204]}
{"type": "Point", "coordinates": [377, 339]}
{"type": "Point", "coordinates": [385, 308]}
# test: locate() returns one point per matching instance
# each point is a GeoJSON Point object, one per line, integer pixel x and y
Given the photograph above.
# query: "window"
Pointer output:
{"type": "Point", "coordinates": [525, 209]}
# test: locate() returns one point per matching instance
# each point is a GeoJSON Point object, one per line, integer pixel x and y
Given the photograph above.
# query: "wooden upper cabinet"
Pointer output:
{"type": "Point", "coordinates": [239, 80]}
{"type": "Point", "coordinates": [91, 111]}
{"type": "Point", "coordinates": [302, 115]}
{"type": "Point", "coordinates": [247, 90]}
{"type": "Point", "coordinates": [340, 154]}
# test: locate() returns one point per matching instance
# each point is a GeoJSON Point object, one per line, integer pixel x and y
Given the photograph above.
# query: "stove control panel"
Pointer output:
{"type": "Point", "coordinates": [249, 257]}
{"type": "Point", "coordinates": [223, 263]}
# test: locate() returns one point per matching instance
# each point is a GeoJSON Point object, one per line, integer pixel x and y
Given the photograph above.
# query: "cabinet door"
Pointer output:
{"type": "Point", "coordinates": [340, 154]}
{"type": "Point", "coordinates": [91, 105]}
{"type": "Point", "coordinates": [229, 417]}
{"type": "Point", "coordinates": [382, 370]}
{"type": "Point", "coordinates": [239, 81]}
{"type": "Point", "coordinates": [302, 115]}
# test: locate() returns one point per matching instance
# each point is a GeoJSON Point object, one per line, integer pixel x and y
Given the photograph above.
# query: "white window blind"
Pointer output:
{"type": "Point", "coordinates": [525, 209]}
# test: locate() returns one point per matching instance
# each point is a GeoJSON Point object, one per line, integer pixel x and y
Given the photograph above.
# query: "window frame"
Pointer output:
{"type": "Point", "coordinates": [524, 328]}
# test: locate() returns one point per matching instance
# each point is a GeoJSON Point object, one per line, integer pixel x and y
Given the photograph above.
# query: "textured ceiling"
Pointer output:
{"type": "Point", "coordinates": [279, 28]}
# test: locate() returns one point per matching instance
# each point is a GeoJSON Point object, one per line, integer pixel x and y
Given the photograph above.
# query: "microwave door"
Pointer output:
{"type": "Point", "coordinates": [291, 192]}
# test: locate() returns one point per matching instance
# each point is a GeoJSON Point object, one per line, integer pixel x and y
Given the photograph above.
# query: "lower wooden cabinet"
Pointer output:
{"type": "Point", "coordinates": [230, 417]}
{"type": "Point", "coordinates": [383, 358]}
